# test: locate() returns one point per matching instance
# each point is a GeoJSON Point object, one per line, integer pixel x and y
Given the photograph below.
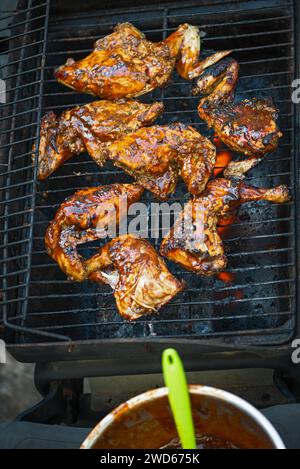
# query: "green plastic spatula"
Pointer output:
{"type": "Point", "coordinates": [179, 397]}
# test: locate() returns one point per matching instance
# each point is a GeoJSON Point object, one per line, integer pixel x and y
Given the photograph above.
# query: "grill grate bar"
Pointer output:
{"type": "Point", "coordinates": [209, 334]}
{"type": "Point", "coordinates": [250, 333]}
{"type": "Point", "coordinates": [12, 186]}
{"type": "Point", "coordinates": [229, 255]}
{"type": "Point", "coordinates": [170, 304]}
{"type": "Point", "coordinates": [17, 12]}
{"type": "Point", "coordinates": [13, 214]}
{"type": "Point", "coordinates": [241, 49]}
{"type": "Point", "coordinates": [56, 206]}
{"type": "Point", "coordinates": [169, 30]}
{"type": "Point", "coordinates": [75, 188]}
{"type": "Point", "coordinates": [8, 90]}
{"type": "Point", "coordinates": [91, 173]}
{"type": "Point", "coordinates": [16, 36]}
{"type": "Point", "coordinates": [72, 93]}
{"type": "Point", "coordinates": [243, 223]}
{"type": "Point", "coordinates": [14, 243]}
{"type": "Point", "coordinates": [22, 113]}
{"type": "Point", "coordinates": [12, 274]}
{"type": "Point", "coordinates": [212, 38]}
{"type": "Point", "coordinates": [235, 49]}
{"type": "Point", "coordinates": [14, 228]}
{"type": "Point", "coordinates": [104, 171]}
{"type": "Point", "coordinates": [17, 49]}
{"type": "Point", "coordinates": [247, 333]}
{"type": "Point", "coordinates": [17, 25]}
{"type": "Point", "coordinates": [270, 252]}
{"type": "Point", "coordinates": [17, 142]}
{"type": "Point", "coordinates": [178, 321]}
{"type": "Point", "coordinates": [21, 156]}
{"type": "Point", "coordinates": [181, 85]}
{"type": "Point", "coordinates": [67, 106]}
{"type": "Point", "coordinates": [238, 269]}
{"type": "Point", "coordinates": [106, 294]}
{"type": "Point", "coordinates": [15, 199]}
{"type": "Point", "coordinates": [181, 15]}
{"type": "Point", "coordinates": [9, 64]}
{"type": "Point", "coordinates": [228, 287]}
{"type": "Point", "coordinates": [227, 240]}
{"type": "Point", "coordinates": [20, 127]}
{"type": "Point", "coordinates": [191, 320]}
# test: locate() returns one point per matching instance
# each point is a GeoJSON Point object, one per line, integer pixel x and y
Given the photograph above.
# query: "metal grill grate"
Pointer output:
{"type": "Point", "coordinates": [39, 303]}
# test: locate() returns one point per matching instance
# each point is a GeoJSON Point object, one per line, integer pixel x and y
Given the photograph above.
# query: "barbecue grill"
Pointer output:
{"type": "Point", "coordinates": [49, 318]}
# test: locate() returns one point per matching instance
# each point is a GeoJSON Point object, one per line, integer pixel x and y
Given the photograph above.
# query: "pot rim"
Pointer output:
{"type": "Point", "coordinates": [197, 389]}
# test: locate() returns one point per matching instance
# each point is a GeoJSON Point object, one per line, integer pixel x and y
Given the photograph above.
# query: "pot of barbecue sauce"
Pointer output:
{"type": "Point", "coordinates": [222, 421]}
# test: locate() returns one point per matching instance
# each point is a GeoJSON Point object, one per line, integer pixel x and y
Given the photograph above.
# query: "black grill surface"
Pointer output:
{"type": "Point", "coordinates": [39, 303]}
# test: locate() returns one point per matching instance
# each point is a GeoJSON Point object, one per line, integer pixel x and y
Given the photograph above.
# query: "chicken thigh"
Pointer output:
{"type": "Point", "coordinates": [138, 276]}
{"type": "Point", "coordinates": [126, 64]}
{"type": "Point", "coordinates": [248, 126]}
{"type": "Point", "coordinates": [157, 155]}
{"type": "Point", "coordinates": [85, 128]}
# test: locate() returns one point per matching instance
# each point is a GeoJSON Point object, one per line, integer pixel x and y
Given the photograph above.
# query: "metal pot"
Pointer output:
{"type": "Point", "coordinates": [145, 421]}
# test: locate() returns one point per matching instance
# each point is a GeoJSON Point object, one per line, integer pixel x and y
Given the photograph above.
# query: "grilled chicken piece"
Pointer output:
{"type": "Point", "coordinates": [157, 155]}
{"type": "Point", "coordinates": [194, 242]}
{"type": "Point", "coordinates": [126, 64]}
{"type": "Point", "coordinates": [248, 126]}
{"type": "Point", "coordinates": [86, 216]}
{"type": "Point", "coordinates": [138, 276]}
{"type": "Point", "coordinates": [85, 128]}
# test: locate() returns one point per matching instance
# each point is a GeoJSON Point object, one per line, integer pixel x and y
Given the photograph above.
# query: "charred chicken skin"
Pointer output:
{"type": "Point", "coordinates": [155, 156]}
{"type": "Point", "coordinates": [194, 241]}
{"type": "Point", "coordinates": [138, 276]}
{"type": "Point", "coordinates": [85, 128]}
{"type": "Point", "coordinates": [248, 126]}
{"type": "Point", "coordinates": [83, 217]}
{"type": "Point", "coordinates": [126, 64]}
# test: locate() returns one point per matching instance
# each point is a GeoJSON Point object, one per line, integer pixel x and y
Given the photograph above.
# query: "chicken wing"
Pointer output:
{"type": "Point", "coordinates": [85, 128]}
{"type": "Point", "coordinates": [126, 64]}
{"type": "Point", "coordinates": [248, 126]}
{"type": "Point", "coordinates": [86, 216]}
{"type": "Point", "coordinates": [138, 276]}
{"type": "Point", "coordinates": [157, 155]}
{"type": "Point", "coordinates": [194, 241]}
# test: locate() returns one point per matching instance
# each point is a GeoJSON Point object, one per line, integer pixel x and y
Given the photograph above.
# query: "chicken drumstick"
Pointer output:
{"type": "Point", "coordinates": [194, 241]}
{"type": "Point", "coordinates": [83, 217]}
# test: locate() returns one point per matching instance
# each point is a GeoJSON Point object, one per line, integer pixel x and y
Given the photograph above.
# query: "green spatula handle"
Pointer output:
{"type": "Point", "coordinates": [179, 397]}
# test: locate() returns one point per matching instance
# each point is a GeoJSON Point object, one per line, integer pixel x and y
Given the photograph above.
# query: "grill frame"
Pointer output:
{"type": "Point", "coordinates": [20, 329]}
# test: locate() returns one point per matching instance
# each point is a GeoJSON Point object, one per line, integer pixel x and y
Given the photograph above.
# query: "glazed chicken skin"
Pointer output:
{"type": "Point", "coordinates": [194, 241]}
{"type": "Point", "coordinates": [248, 126]}
{"type": "Point", "coordinates": [85, 128]}
{"type": "Point", "coordinates": [138, 276]}
{"type": "Point", "coordinates": [155, 156]}
{"type": "Point", "coordinates": [86, 216]}
{"type": "Point", "coordinates": [126, 64]}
